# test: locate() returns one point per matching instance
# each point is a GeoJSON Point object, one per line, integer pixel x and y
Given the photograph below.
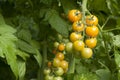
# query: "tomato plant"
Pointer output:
{"type": "Point", "coordinates": [34, 33]}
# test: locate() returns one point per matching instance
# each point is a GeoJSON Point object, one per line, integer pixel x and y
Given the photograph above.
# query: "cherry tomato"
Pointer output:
{"type": "Point", "coordinates": [75, 36]}
{"type": "Point", "coordinates": [78, 26]}
{"type": "Point", "coordinates": [49, 77]}
{"type": "Point", "coordinates": [92, 31]}
{"type": "Point", "coordinates": [60, 56]}
{"type": "Point", "coordinates": [47, 71]}
{"type": "Point", "coordinates": [56, 44]}
{"type": "Point", "coordinates": [91, 42]}
{"type": "Point", "coordinates": [64, 64]}
{"type": "Point", "coordinates": [74, 15]}
{"type": "Point", "coordinates": [78, 45]}
{"type": "Point", "coordinates": [91, 20]}
{"type": "Point", "coordinates": [61, 47]}
{"type": "Point", "coordinates": [58, 78]}
{"type": "Point", "coordinates": [49, 64]}
{"type": "Point", "coordinates": [86, 53]}
{"type": "Point", "coordinates": [56, 62]}
{"type": "Point", "coordinates": [59, 71]}
{"type": "Point", "coordinates": [69, 47]}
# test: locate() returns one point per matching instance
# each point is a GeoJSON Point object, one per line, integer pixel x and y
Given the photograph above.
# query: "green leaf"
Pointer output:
{"type": "Point", "coordinates": [117, 58]}
{"type": "Point", "coordinates": [25, 47]}
{"type": "Point", "coordinates": [113, 6]}
{"type": "Point", "coordinates": [116, 41]}
{"type": "Point", "coordinates": [21, 69]}
{"type": "Point", "coordinates": [86, 76]}
{"type": "Point", "coordinates": [6, 29]}
{"type": "Point", "coordinates": [46, 1]}
{"type": "Point", "coordinates": [12, 59]}
{"type": "Point", "coordinates": [1, 19]}
{"type": "Point", "coordinates": [81, 69]}
{"type": "Point", "coordinates": [58, 23]}
{"type": "Point", "coordinates": [25, 35]}
{"type": "Point", "coordinates": [95, 6]}
{"type": "Point", "coordinates": [38, 58]}
{"type": "Point", "coordinates": [68, 5]}
{"type": "Point", "coordinates": [104, 74]}
{"type": "Point", "coordinates": [117, 61]}
{"type": "Point", "coordinates": [22, 54]}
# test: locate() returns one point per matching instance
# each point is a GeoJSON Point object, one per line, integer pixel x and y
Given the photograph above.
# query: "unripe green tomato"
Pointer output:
{"type": "Point", "coordinates": [69, 47]}
{"type": "Point", "coordinates": [56, 62]}
{"type": "Point", "coordinates": [56, 44]}
{"type": "Point", "coordinates": [49, 77]}
{"type": "Point", "coordinates": [58, 78]}
{"type": "Point", "coordinates": [59, 71]}
{"type": "Point", "coordinates": [60, 37]}
{"type": "Point", "coordinates": [47, 71]}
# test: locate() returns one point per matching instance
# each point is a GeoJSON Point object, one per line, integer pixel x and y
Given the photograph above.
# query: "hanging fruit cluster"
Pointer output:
{"type": "Point", "coordinates": [84, 33]}
{"type": "Point", "coordinates": [59, 65]}
{"type": "Point", "coordinates": [82, 40]}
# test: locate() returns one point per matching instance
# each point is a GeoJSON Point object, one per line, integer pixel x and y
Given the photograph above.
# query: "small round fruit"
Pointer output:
{"type": "Point", "coordinates": [56, 62]}
{"type": "Point", "coordinates": [78, 45]}
{"type": "Point", "coordinates": [92, 31]}
{"type": "Point", "coordinates": [56, 44]}
{"type": "Point", "coordinates": [69, 47]}
{"type": "Point", "coordinates": [49, 77]}
{"type": "Point", "coordinates": [91, 42]}
{"type": "Point", "coordinates": [78, 26]}
{"type": "Point", "coordinates": [58, 78]}
{"type": "Point", "coordinates": [60, 56]}
{"type": "Point", "coordinates": [75, 36]}
{"type": "Point", "coordinates": [49, 64]}
{"type": "Point", "coordinates": [64, 64]}
{"type": "Point", "coordinates": [47, 71]}
{"type": "Point", "coordinates": [61, 47]}
{"type": "Point", "coordinates": [59, 71]}
{"type": "Point", "coordinates": [87, 53]}
{"type": "Point", "coordinates": [91, 20]}
{"type": "Point", "coordinates": [74, 15]}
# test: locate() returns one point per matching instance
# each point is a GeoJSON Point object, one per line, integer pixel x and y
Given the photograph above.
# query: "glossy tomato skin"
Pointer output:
{"type": "Point", "coordinates": [74, 15]}
{"type": "Point", "coordinates": [58, 78]}
{"type": "Point", "coordinates": [47, 71]}
{"type": "Point", "coordinates": [92, 31]}
{"type": "Point", "coordinates": [91, 42]}
{"type": "Point", "coordinates": [78, 26]}
{"type": "Point", "coordinates": [75, 36]}
{"type": "Point", "coordinates": [61, 47]}
{"type": "Point", "coordinates": [60, 56]}
{"type": "Point", "coordinates": [64, 64]}
{"type": "Point", "coordinates": [56, 62]}
{"type": "Point", "coordinates": [87, 53]}
{"type": "Point", "coordinates": [59, 71]}
{"type": "Point", "coordinates": [56, 44]}
{"type": "Point", "coordinates": [78, 45]}
{"type": "Point", "coordinates": [49, 77]}
{"type": "Point", "coordinates": [69, 47]}
{"type": "Point", "coordinates": [91, 20]}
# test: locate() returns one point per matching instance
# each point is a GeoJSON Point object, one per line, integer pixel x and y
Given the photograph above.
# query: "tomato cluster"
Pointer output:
{"type": "Point", "coordinates": [84, 33]}
{"type": "Point", "coordinates": [59, 65]}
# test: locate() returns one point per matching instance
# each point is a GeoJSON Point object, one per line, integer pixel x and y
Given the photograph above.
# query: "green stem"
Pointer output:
{"type": "Point", "coordinates": [111, 29]}
{"type": "Point", "coordinates": [44, 60]}
{"type": "Point", "coordinates": [84, 9]}
{"type": "Point", "coordinates": [71, 65]}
